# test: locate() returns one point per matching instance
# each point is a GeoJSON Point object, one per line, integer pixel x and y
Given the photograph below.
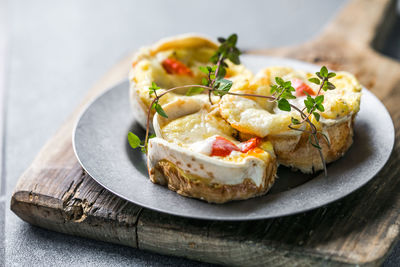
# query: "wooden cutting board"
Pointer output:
{"type": "Point", "coordinates": [55, 193]}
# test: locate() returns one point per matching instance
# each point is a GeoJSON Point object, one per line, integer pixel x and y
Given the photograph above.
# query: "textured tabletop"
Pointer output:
{"type": "Point", "coordinates": [54, 52]}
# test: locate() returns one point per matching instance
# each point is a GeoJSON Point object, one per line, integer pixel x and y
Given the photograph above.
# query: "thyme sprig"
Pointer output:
{"type": "Point", "coordinates": [216, 83]}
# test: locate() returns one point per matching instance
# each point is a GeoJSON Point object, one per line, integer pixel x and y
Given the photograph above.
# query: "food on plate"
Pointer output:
{"type": "Point", "coordinates": [220, 131]}
{"type": "Point", "coordinates": [197, 154]}
{"type": "Point", "coordinates": [169, 63]}
{"type": "Point", "coordinates": [262, 118]}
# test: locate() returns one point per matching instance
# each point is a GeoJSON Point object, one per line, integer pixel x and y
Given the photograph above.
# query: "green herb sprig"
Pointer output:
{"type": "Point", "coordinates": [215, 81]}
{"type": "Point", "coordinates": [135, 142]}
{"type": "Point", "coordinates": [281, 93]}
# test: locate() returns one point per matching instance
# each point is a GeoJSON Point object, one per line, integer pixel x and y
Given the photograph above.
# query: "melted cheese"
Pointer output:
{"type": "Point", "coordinates": [197, 127]}
{"type": "Point", "coordinates": [203, 146]}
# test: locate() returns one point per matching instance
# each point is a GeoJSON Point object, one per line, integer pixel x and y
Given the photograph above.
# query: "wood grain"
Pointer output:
{"type": "Point", "coordinates": [360, 229]}
{"type": "Point", "coordinates": [55, 192]}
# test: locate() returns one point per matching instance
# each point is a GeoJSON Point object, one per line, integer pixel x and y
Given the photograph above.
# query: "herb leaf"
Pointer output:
{"type": "Point", "coordinates": [320, 107]}
{"type": "Point", "coordinates": [274, 88]}
{"type": "Point", "coordinates": [314, 80]}
{"type": "Point", "coordinates": [316, 115]}
{"type": "Point", "coordinates": [153, 88]}
{"type": "Point", "coordinates": [331, 75]}
{"type": "Point", "coordinates": [232, 39]}
{"type": "Point", "coordinates": [133, 140]}
{"type": "Point", "coordinates": [284, 105]}
{"type": "Point", "coordinates": [330, 86]}
{"type": "Point", "coordinates": [319, 99]}
{"type": "Point", "coordinates": [228, 50]}
{"type": "Point", "coordinates": [315, 145]}
{"type": "Point", "coordinates": [160, 110]}
{"type": "Point", "coordinates": [222, 86]}
{"type": "Point", "coordinates": [288, 95]}
{"type": "Point", "coordinates": [234, 56]}
{"type": "Point", "coordinates": [309, 103]}
{"type": "Point", "coordinates": [279, 81]}
{"type": "Point", "coordinates": [204, 69]}
{"type": "Point", "coordinates": [221, 73]}
{"type": "Point", "coordinates": [294, 120]}
{"type": "Point", "coordinates": [221, 40]}
{"type": "Point", "coordinates": [324, 72]}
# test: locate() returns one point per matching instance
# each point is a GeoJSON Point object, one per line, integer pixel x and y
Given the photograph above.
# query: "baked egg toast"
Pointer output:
{"type": "Point", "coordinates": [169, 63]}
{"type": "Point", "coordinates": [259, 117]}
{"type": "Point", "coordinates": [197, 154]}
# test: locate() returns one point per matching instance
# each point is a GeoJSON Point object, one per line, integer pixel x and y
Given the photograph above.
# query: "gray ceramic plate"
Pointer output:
{"type": "Point", "coordinates": [101, 146]}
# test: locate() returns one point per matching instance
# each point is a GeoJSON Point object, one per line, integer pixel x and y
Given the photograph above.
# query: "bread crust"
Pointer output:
{"type": "Point", "coordinates": [295, 151]}
{"type": "Point", "coordinates": [177, 180]}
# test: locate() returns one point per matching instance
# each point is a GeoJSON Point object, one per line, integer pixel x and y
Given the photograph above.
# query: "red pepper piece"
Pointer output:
{"type": "Point", "coordinates": [301, 88]}
{"type": "Point", "coordinates": [173, 66]}
{"type": "Point", "coordinates": [249, 144]}
{"type": "Point", "coordinates": [223, 147]}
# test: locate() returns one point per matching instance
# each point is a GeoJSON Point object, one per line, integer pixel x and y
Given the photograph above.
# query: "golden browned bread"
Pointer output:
{"type": "Point", "coordinates": [297, 152]}
{"type": "Point", "coordinates": [194, 186]}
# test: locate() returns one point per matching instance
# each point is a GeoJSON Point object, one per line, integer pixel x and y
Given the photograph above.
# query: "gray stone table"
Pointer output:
{"type": "Point", "coordinates": [51, 52]}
